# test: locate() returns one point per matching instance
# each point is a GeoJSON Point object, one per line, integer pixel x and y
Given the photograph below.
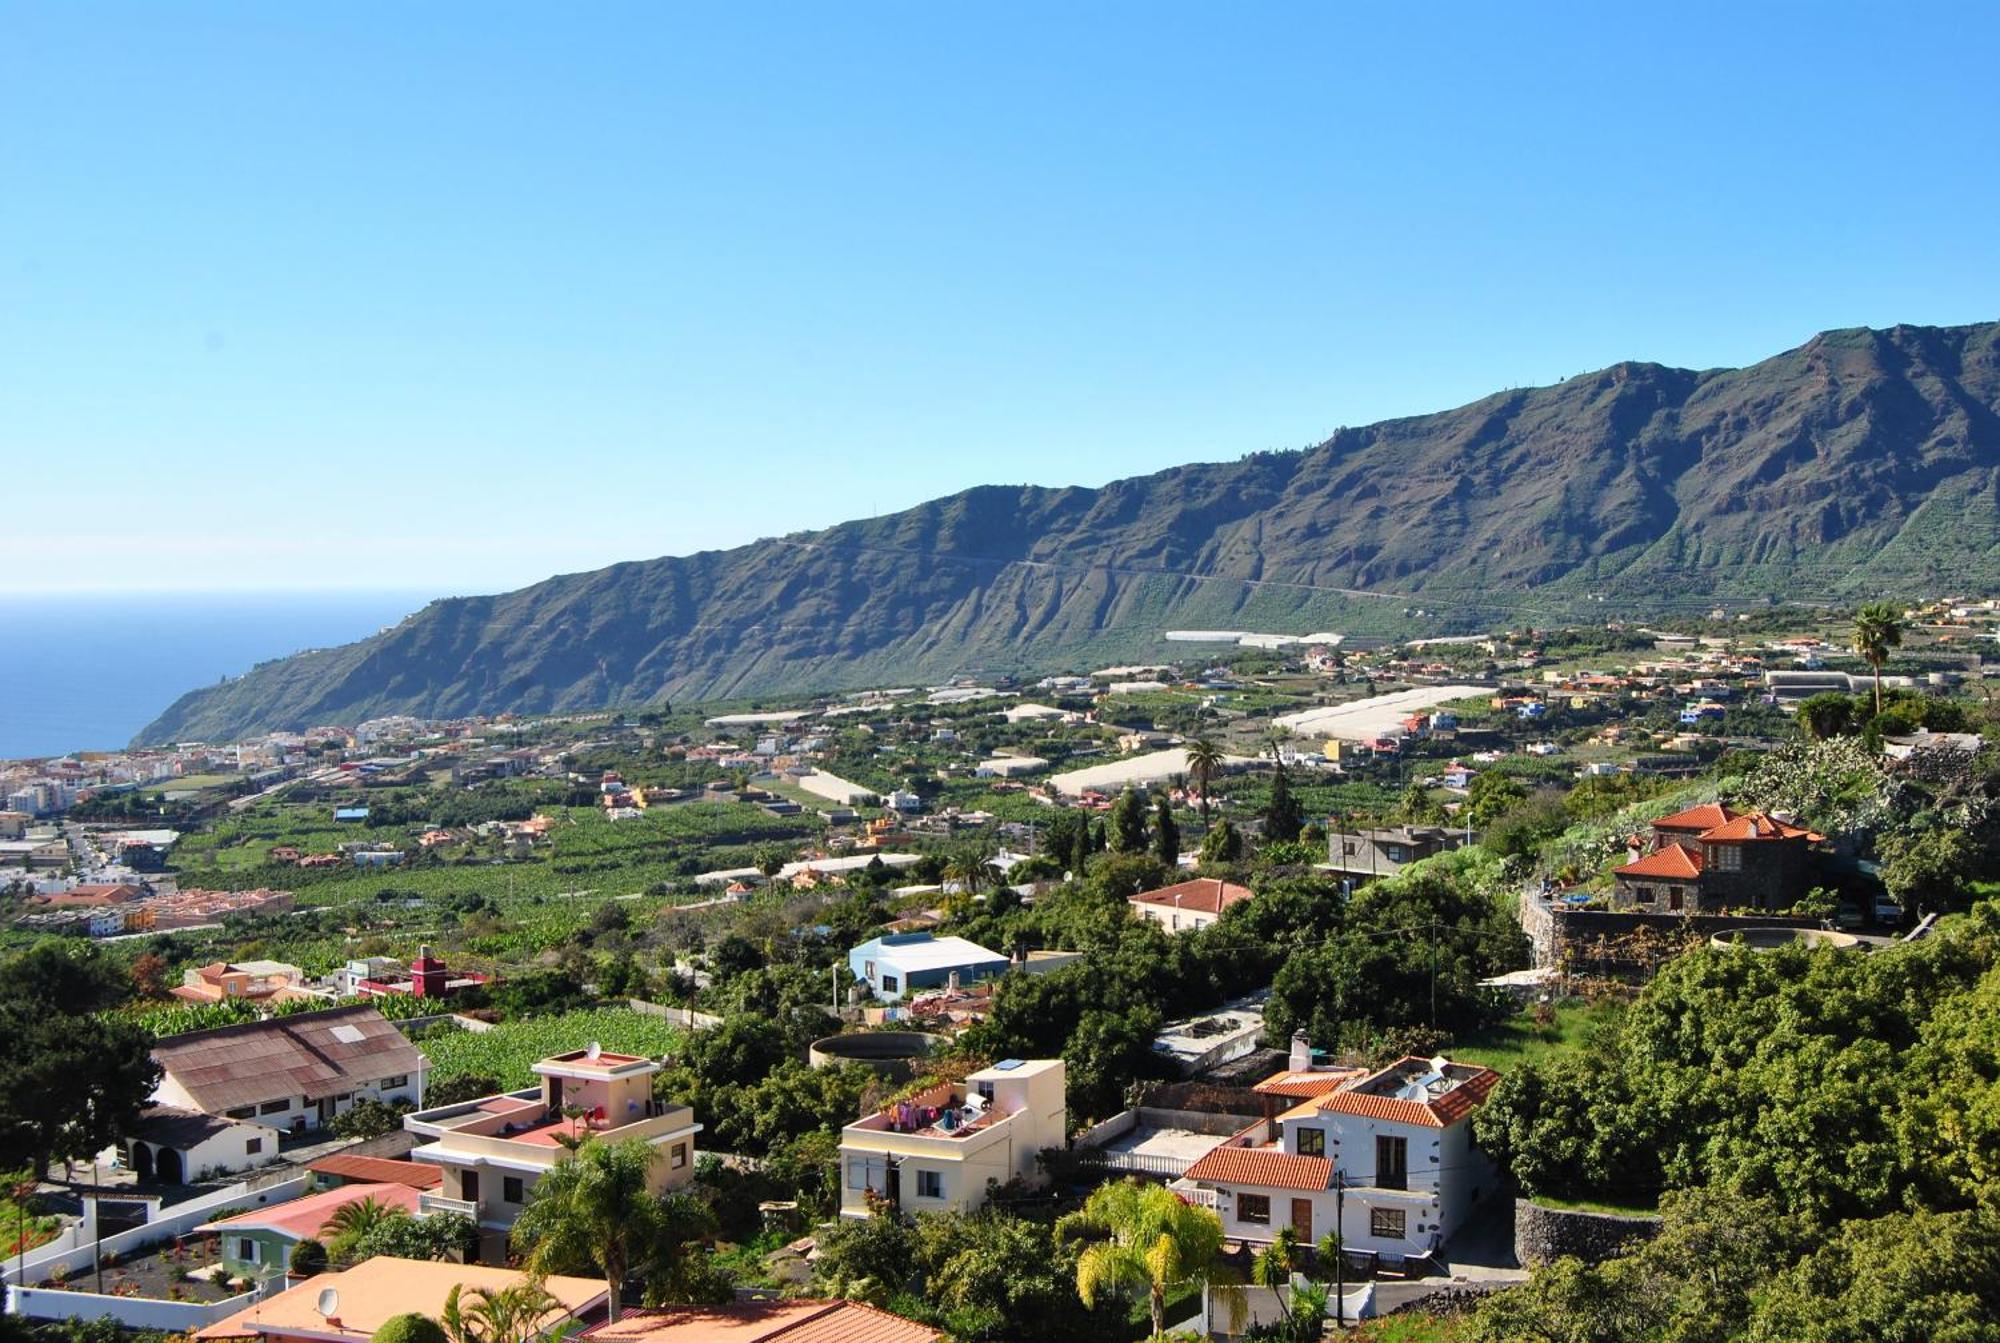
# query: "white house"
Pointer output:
{"type": "Point", "coordinates": [1388, 1154]}
{"type": "Point", "coordinates": [901, 963]}
{"type": "Point", "coordinates": [292, 1073]}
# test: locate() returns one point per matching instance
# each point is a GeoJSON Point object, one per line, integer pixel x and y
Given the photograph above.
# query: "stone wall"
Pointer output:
{"type": "Point", "coordinates": [1545, 1234]}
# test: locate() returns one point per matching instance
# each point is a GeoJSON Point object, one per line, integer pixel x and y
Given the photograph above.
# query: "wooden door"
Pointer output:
{"type": "Point", "coordinates": [1302, 1219]}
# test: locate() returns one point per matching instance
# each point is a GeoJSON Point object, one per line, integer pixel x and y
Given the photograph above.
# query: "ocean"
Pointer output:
{"type": "Point", "coordinates": [85, 672]}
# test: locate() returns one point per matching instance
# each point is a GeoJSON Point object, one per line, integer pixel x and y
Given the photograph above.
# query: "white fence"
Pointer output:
{"type": "Point", "coordinates": [134, 1312]}
{"type": "Point", "coordinates": [174, 1221]}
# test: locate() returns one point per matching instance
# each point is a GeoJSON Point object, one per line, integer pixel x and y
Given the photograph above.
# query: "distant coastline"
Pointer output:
{"type": "Point", "coordinates": [86, 671]}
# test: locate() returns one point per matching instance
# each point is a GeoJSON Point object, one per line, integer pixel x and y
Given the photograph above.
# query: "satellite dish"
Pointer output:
{"type": "Point", "coordinates": [329, 1302]}
{"type": "Point", "coordinates": [595, 1049]}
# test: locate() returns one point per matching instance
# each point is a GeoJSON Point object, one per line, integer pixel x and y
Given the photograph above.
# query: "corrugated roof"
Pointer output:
{"type": "Point", "coordinates": [379, 1170]}
{"type": "Point", "coordinates": [800, 1320]}
{"type": "Point", "coordinates": [310, 1054]}
{"type": "Point", "coordinates": [1267, 1166]}
{"type": "Point", "coordinates": [179, 1129]}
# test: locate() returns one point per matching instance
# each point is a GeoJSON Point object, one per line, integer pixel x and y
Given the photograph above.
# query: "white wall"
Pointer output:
{"type": "Point", "coordinates": [134, 1312]}
{"type": "Point", "coordinates": [184, 1217]}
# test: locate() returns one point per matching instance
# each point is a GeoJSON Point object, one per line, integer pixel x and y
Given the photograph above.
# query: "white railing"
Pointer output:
{"type": "Point", "coordinates": [1201, 1198]}
{"type": "Point", "coordinates": [428, 1203]}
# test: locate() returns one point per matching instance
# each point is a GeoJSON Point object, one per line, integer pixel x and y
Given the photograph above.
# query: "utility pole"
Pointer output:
{"type": "Point", "coordinates": [1434, 972]}
{"type": "Point", "coordinates": [1339, 1248]}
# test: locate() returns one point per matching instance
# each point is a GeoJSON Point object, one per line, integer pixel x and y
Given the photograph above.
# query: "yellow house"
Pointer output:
{"type": "Point", "coordinates": [937, 1150]}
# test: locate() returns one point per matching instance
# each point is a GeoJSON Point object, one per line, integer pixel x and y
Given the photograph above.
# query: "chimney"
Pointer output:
{"type": "Point", "coordinates": [1302, 1055]}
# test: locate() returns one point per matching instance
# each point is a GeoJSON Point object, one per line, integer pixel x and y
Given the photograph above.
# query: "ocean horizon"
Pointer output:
{"type": "Point", "coordinates": [87, 671]}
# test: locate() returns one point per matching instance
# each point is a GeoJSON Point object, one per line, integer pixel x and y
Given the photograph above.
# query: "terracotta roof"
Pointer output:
{"type": "Point", "coordinates": [374, 1290]}
{"type": "Point", "coordinates": [1757, 825]}
{"type": "Point", "coordinates": [1305, 1085]}
{"type": "Point", "coordinates": [1438, 1112]}
{"type": "Point", "coordinates": [1267, 1166]}
{"type": "Point", "coordinates": [310, 1054]}
{"type": "Point", "coordinates": [1673, 863]}
{"type": "Point", "coordinates": [799, 1320]}
{"type": "Point", "coordinates": [1704, 817]}
{"type": "Point", "coordinates": [308, 1216]}
{"type": "Point", "coordinates": [379, 1170]}
{"type": "Point", "coordinates": [1203, 895]}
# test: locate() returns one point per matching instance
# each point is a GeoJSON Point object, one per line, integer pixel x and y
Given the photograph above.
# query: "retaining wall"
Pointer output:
{"type": "Point", "coordinates": [285, 1185]}
{"type": "Point", "coordinates": [1542, 1235]}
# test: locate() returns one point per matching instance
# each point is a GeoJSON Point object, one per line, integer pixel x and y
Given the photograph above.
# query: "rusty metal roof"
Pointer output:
{"type": "Point", "coordinates": [309, 1054]}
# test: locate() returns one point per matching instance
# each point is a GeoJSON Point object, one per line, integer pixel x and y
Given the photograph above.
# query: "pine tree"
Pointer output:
{"type": "Point", "coordinates": [1283, 816]}
{"type": "Point", "coordinates": [1166, 835]}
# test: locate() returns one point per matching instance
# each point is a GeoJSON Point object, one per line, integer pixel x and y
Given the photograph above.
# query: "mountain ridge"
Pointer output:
{"type": "Point", "coordinates": [1864, 462]}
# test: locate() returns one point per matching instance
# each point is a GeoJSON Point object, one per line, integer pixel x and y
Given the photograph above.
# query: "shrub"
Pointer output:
{"type": "Point", "coordinates": [410, 1328]}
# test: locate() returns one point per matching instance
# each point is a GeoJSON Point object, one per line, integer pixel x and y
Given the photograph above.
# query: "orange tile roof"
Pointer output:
{"type": "Point", "coordinates": [799, 1320]}
{"type": "Point", "coordinates": [1266, 1166]}
{"type": "Point", "coordinates": [1757, 825]}
{"type": "Point", "coordinates": [1203, 895]}
{"type": "Point", "coordinates": [376, 1289]}
{"type": "Point", "coordinates": [1445, 1110]}
{"type": "Point", "coordinates": [1304, 1085]}
{"type": "Point", "coordinates": [1673, 863]}
{"type": "Point", "coordinates": [1704, 817]}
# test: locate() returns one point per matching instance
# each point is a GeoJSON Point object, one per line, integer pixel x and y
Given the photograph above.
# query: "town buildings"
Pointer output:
{"type": "Point", "coordinates": [1383, 851]}
{"type": "Point", "coordinates": [898, 964]}
{"type": "Point", "coordinates": [493, 1150]}
{"type": "Point", "coordinates": [938, 1150]}
{"type": "Point", "coordinates": [1711, 859]}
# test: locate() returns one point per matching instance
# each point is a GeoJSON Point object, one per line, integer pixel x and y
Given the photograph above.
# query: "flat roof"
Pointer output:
{"type": "Point", "coordinates": [937, 953]}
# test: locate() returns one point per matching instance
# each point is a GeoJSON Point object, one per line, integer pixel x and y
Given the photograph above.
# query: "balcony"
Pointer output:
{"type": "Point", "coordinates": [428, 1202]}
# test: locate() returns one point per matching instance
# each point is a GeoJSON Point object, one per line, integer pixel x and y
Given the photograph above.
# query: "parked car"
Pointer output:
{"type": "Point", "coordinates": [1887, 910]}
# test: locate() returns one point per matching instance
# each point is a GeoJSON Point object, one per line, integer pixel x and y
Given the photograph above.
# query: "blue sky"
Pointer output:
{"type": "Point", "coordinates": [452, 296]}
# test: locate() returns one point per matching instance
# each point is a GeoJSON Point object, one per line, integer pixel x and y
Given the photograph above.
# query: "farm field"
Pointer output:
{"type": "Point", "coordinates": [511, 1049]}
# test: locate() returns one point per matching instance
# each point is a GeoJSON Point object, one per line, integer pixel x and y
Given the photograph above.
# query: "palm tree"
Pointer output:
{"type": "Point", "coordinates": [351, 1222]}
{"type": "Point", "coordinates": [1878, 627]}
{"type": "Point", "coordinates": [1156, 1243]}
{"type": "Point", "coordinates": [1204, 758]}
{"type": "Point", "coordinates": [515, 1313]}
{"type": "Point", "coordinates": [594, 1209]}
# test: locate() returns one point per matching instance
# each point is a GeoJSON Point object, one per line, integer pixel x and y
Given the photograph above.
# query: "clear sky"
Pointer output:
{"type": "Point", "coordinates": [451, 296]}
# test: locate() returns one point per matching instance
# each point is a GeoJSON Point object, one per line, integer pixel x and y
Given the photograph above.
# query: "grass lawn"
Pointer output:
{"type": "Point", "coordinates": [1520, 1040]}
{"type": "Point", "coordinates": [1638, 1208]}
{"type": "Point", "coordinates": [1414, 1327]}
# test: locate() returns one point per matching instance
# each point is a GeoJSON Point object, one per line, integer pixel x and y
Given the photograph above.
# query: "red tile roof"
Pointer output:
{"type": "Point", "coordinates": [1203, 895]}
{"type": "Point", "coordinates": [308, 1216]}
{"type": "Point", "coordinates": [379, 1170]}
{"type": "Point", "coordinates": [1755, 826]}
{"type": "Point", "coordinates": [1704, 817]}
{"type": "Point", "coordinates": [799, 1320]}
{"type": "Point", "coordinates": [1439, 1112]}
{"type": "Point", "coordinates": [1672, 863]}
{"type": "Point", "coordinates": [1266, 1166]}
{"type": "Point", "coordinates": [1305, 1085]}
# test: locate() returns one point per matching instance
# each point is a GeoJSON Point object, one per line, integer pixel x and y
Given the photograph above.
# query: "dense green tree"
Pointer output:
{"type": "Point", "coordinates": [1827, 715]}
{"type": "Point", "coordinates": [1166, 834]}
{"type": "Point", "coordinates": [1142, 1239]}
{"type": "Point", "coordinates": [1128, 822]}
{"type": "Point", "coordinates": [1921, 1275]}
{"type": "Point", "coordinates": [1222, 844]}
{"type": "Point", "coordinates": [70, 1085]}
{"type": "Point", "coordinates": [1284, 817]}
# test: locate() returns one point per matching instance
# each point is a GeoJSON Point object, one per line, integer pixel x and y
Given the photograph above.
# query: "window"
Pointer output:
{"type": "Point", "coordinates": [246, 1249]}
{"type": "Point", "coordinates": [1253, 1208]}
{"type": "Point", "coordinates": [391, 1083]}
{"type": "Point", "coordinates": [1392, 1162]}
{"type": "Point", "coordinates": [1312, 1142]}
{"type": "Point", "coordinates": [511, 1190]}
{"type": "Point", "coordinates": [241, 1112]}
{"type": "Point", "coordinates": [275, 1107]}
{"type": "Point", "coordinates": [679, 1157]}
{"type": "Point", "coordinates": [1643, 895]}
{"type": "Point", "coordinates": [252, 1146]}
{"type": "Point", "coordinates": [468, 1186]}
{"type": "Point", "coordinates": [890, 984]}
{"type": "Point", "coordinates": [930, 1184]}
{"type": "Point", "coordinates": [865, 1174]}
{"type": "Point", "coordinates": [1386, 1223]}
{"type": "Point", "coordinates": [1728, 857]}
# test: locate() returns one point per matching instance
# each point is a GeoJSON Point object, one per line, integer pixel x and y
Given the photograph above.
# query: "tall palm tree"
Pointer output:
{"type": "Point", "coordinates": [516, 1313]}
{"type": "Point", "coordinates": [595, 1209]}
{"type": "Point", "coordinates": [1155, 1244]}
{"type": "Point", "coordinates": [1204, 758]}
{"type": "Point", "coordinates": [1878, 627]}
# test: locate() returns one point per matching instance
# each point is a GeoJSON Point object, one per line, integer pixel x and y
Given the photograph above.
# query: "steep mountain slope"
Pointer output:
{"type": "Point", "coordinates": [1862, 463]}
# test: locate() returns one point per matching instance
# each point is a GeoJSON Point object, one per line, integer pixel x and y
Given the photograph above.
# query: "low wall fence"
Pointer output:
{"type": "Point", "coordinates": [133, 1312]}
{"type": "Point", "coordinates": [177, 1220]}
{"type": "Point", "coordinates": [685, 1018]}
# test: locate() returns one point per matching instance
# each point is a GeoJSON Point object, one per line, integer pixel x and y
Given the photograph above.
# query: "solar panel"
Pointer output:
{"type": "Point", "coordinates": [1007, 1065]}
